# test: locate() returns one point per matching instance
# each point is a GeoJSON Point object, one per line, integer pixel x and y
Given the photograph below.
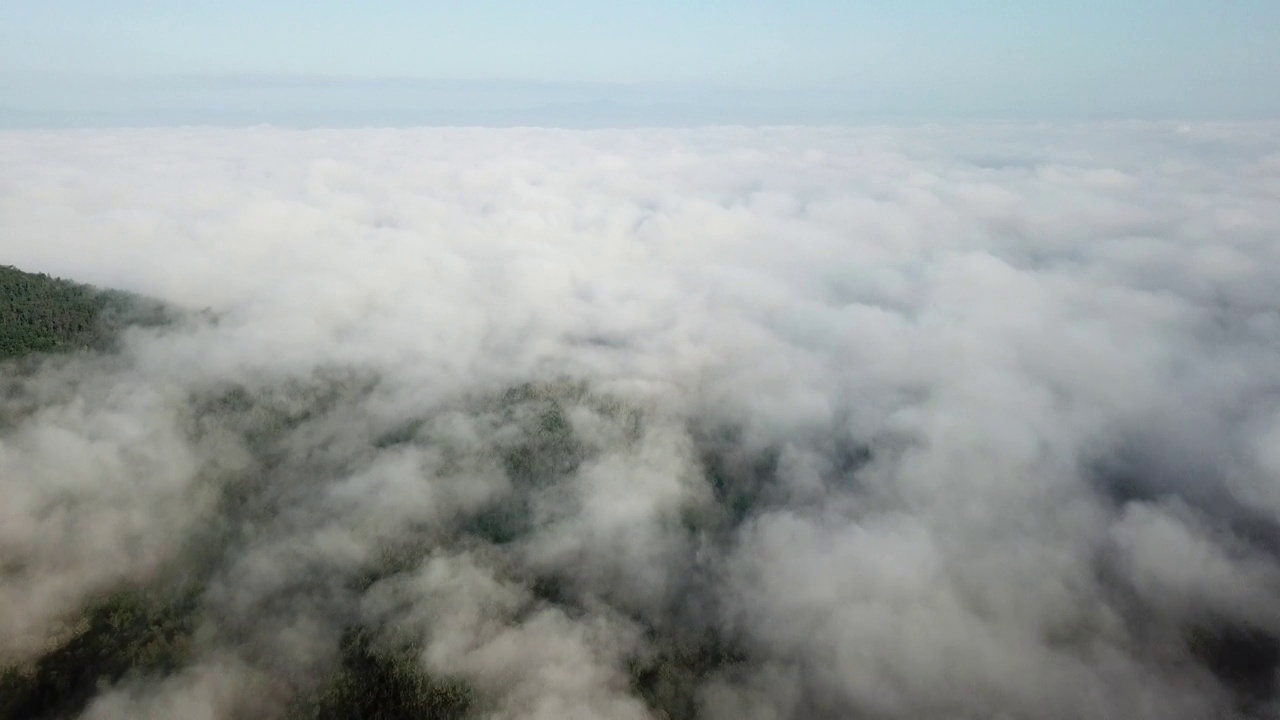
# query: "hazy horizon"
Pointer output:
{"type": "Point", "coordinates": [573, 63]}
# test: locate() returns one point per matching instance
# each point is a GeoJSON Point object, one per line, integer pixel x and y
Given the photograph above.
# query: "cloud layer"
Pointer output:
{"type": "Point", "coordinates": [932, 422]}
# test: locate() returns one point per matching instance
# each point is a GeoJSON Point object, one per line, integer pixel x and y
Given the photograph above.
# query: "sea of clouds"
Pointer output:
{"type": "Point", "coordinates": [924, 422]}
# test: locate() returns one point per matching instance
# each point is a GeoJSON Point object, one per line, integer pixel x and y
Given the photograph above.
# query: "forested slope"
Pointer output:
{"type": "Point", "coordinates": [40, 314]}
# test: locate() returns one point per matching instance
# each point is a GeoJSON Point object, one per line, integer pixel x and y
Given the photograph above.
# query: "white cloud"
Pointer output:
{"type": "Point", "coordinates": [1042, 336]}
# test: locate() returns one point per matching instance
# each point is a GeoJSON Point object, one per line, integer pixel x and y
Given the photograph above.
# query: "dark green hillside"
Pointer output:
{"type": "Point", "coordinates": [41, 314]}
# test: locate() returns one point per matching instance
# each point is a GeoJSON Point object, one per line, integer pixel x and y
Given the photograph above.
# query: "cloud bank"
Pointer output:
{"type": "Point", "coordinates": [932, 422]}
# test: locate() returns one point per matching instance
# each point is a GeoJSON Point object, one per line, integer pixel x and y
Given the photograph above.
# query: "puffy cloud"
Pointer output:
{"type": "Point", "coordinates": [926, 422]}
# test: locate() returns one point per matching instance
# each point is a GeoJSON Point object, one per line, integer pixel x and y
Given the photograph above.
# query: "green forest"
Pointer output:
{"type": "Point", "coordinates": [43, 314]}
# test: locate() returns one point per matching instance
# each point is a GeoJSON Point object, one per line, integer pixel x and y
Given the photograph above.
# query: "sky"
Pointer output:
{"type": "Point", "coordinates": [572, 63]}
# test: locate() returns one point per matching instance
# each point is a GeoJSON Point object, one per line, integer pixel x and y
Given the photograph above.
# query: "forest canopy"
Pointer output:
{"type": "Point", "coordinates": [40, 313]}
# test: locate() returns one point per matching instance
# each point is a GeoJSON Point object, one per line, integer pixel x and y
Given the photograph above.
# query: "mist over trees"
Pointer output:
{"type": "Point", "coordinates": [827, 423]}
{"type": "Point", "coordinates": [127, 632]}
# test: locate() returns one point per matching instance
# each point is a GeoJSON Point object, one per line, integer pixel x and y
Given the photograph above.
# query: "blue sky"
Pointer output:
{"type": "Point", "coordinates": [69, 62]}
